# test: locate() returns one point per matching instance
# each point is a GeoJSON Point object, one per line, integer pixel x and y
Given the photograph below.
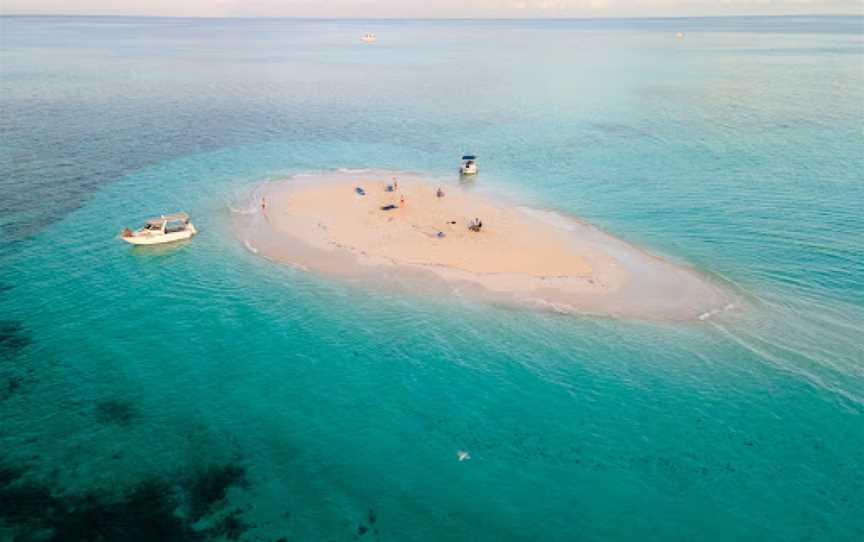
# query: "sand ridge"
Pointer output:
{"type": "Point", "coordinates": [322, 224]}
{"type": "Point", "coordinates": [425, 229]}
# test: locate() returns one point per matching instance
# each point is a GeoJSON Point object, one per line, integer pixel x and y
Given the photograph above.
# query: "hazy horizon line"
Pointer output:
{"type": "Point", "coordinates": [325, 18]}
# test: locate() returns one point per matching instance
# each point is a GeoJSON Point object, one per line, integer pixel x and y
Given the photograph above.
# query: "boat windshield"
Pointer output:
{"type": "Point", "coordinates": [175, 226]}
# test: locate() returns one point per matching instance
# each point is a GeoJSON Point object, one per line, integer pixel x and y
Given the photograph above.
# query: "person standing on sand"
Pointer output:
{"type": "Point", "coordinates": [395, 184]}
{"type": "Point", "coordinates": [263, 204]}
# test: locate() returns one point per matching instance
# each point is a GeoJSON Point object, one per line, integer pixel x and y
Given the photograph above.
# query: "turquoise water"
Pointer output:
{"type": "Point", "coordinates": [200, 392]}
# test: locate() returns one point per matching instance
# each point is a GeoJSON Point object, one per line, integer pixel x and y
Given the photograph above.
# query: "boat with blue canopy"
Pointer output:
{"type": "Point", "coordinates": [469, 165]}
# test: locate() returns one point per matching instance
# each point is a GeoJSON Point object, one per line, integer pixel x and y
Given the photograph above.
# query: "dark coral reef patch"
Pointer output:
{"type": "Point", "coordinates": [115, 411]}
{"type": "Point", "coordinates": [153, 510]}
{"type": "Point", "coordinates": [208, 487]}
{"type": "Point", "coordinates": [13, 338]}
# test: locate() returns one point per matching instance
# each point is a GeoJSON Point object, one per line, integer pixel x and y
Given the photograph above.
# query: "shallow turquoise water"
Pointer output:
{"type": "Point", "coordinates": [336, 413]}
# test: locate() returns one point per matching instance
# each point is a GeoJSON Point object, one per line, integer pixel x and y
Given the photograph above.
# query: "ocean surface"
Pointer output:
{"type": "Point", "coordinates": [201, 392]}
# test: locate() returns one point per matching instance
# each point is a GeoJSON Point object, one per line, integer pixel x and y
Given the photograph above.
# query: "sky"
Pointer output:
{"type": "Point", "coordinates": [431, 8]}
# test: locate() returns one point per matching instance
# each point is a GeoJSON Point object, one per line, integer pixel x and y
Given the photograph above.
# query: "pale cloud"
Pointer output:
{"type": "Point", "coordinates": [427, 8]}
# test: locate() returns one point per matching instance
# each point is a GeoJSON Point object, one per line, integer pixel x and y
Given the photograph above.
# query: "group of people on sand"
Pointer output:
{"type": "Point", "coordinates": [475, 225]}
{"type": "Point", "coordinates": [392, 188]}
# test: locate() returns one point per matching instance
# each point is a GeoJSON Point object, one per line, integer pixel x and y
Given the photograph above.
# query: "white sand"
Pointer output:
{"type": "Point", "coordinates": [530, 257]}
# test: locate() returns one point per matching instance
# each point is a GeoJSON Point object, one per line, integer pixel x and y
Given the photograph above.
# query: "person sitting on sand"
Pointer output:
{"type": "Point", "coordinates": [439, 193]}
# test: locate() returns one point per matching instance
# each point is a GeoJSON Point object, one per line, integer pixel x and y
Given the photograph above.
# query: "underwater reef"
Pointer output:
{"type": "Point", "coordinates": [154, 509]}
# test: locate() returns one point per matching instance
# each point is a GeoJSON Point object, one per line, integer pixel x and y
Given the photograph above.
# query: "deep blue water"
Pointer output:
{"type": "Point", "coordinates": [201, 392]}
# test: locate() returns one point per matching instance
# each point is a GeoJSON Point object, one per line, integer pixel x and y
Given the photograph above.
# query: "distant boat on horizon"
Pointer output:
{"type": "Point", "coordinates": [369, 38]}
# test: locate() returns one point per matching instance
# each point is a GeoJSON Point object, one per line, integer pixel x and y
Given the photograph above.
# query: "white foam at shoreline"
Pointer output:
{"type": "Point", "coordinates": [249, 246]}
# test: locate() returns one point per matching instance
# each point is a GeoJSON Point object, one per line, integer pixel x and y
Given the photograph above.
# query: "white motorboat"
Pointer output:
{"type": "Point", "coordinates": [469, 165]}
{"type": "Point", "coordinates": [163, 229]}
{"type": "Point", "coordinates": [369, 38]}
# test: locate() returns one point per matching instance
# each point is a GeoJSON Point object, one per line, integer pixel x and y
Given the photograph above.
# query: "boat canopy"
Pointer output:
{"type": "Point", "coordinates": [469, 157]}
{"type": "Point", "coordinates": [176, 217]}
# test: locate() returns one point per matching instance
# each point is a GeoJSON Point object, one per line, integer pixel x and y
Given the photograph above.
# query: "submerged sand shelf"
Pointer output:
{"type": "Point", "coordinates": [524, 256]}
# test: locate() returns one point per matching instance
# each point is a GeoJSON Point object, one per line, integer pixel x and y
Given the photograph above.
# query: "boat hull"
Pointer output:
{"type": "Point", "coordinates": [147, 238]}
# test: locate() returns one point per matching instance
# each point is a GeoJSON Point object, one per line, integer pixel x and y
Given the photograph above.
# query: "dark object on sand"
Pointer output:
{"type": "Point", "coordinates": [475, 225]}
{"type": "Point", "coordinates": [388, 207]}
{"type": "Point", "coordinates": [360, 191]}
{"type": "Point", "coordinates": [389, 188]}
{"type": "Point", "coordinates": [439, 193]}
{"type": "Point", "coordinates": [440, 235]}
